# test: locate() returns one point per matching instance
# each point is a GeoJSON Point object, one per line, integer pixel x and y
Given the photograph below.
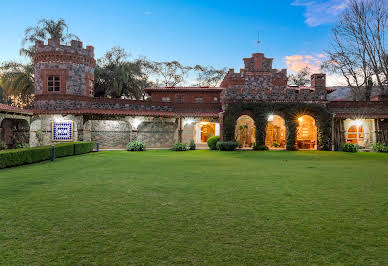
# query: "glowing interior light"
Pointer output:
{"type": "Point", "coordinates": [358, 122]}
{"type": "Point", "coordinates": [300, 119]}
{"type": "Point", "coordinates": [188, 121]}
{"type": "Point", "coordinates": [136, 122]}
{"type": "Point", "coordinates": [270, 118]}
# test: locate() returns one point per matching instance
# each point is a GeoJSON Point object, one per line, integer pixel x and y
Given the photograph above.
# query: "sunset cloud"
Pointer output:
{"type": "Point", "coordinates": [296, 63]}
{"type": "Point", "coordinates": [320, 12]}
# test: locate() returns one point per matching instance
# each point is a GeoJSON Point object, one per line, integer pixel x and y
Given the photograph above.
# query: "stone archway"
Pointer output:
{"type": "Point", "coordinates": [290, 112]}
{"type": "Point", "coordinates": [245, 131]}
{"type": "Point", "coordinates": [275, 135]}
{"type": "Point", "coordinates": [306, 136]}
{"type": "Point", "coordinates": [14, 132]}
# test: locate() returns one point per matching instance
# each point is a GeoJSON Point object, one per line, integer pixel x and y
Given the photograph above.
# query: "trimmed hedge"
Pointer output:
{"type": "Point", "coordinates": [350, 147]}
{"type": "Point", "coordinates": [15, 157]}
{"type": "Point", "coordinates": [227, 145]}
{"type": "Point", "coordinates": [83, 147]}
{"type": "Point", "coordinates": [260, 148]}
{"type": "Point", "coordinates": [180, 147]}
{"type": "Point", "coordinates": [64, 149]}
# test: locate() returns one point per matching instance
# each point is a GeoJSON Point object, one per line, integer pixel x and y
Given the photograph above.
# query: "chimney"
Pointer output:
{"type": "Point", "coordinates": [318, 81]}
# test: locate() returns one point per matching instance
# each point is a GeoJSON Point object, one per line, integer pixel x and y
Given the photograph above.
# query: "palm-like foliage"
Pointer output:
{"type": "Point", "coordinates": [17, 81]}
{"type": "Point", "coordinates": [46, 28]}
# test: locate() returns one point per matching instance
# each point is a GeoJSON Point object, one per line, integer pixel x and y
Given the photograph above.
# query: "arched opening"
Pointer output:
{"type": "Point", "coordinates": [204, 130]}
{"type": "Point", "coordinates": [306, 133]}
{"type": "Point", "coordinates": [275, 135]}
{"type": "Point", "coordinates": [15, 132]}
{"type": "Point", "coordinates": [358, 132]}
{"type": "Point", "coordinates": [245, 131]}
{"type": "Point", "coordinates": [207, 130]}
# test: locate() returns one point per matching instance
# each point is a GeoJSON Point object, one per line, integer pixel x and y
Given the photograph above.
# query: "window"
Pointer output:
{"type": "Point", "coordinates": [215, 100]}
{"type": "Point", "coordinates": [356, 135]}
{"type": "Point", "coordinates": [53, 83]}
{"type": "Point", "coordinates": [91, 88]}
{"type": "Point", "coordinates": [179, 98]}
{"type": "Point", "coordinates": [198, 100]}
{"type": "Point", "coordinates": [166, 99]}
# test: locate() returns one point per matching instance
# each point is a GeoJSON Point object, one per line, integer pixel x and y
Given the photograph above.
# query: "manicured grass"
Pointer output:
{"type": "Point", "coordinates": [197, 207]}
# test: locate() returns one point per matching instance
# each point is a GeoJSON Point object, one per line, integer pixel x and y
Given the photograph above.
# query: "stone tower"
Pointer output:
{"type": "Point", "coordinates": [64, 70]}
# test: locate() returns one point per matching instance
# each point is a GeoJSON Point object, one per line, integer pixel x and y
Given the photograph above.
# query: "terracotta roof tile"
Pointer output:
{"type": "Point", "coordinates": [12, 109]}
{"type": "Point", "coordinates": [126, 112]}
{"type": "Point", "coordinates": [184, 89]}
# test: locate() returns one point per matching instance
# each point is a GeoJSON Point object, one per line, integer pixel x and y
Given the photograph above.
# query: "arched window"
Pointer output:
{"type": "Point", "coordinates": [275, 136]}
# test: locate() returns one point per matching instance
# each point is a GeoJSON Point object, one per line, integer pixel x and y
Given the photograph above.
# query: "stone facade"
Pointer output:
{"type": "Point", "coordinates": [73, 64]}
{"type": "Point", "coordinates": [177, 114]}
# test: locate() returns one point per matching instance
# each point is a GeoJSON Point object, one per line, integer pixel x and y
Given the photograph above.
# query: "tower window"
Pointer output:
{"type": "Point", "coordinates": [53, 83]}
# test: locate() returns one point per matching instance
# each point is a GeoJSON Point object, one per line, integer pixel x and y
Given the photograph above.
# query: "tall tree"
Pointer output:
{"type": "Point", "coordinates": [208, 76]}
{"type": "Point", "coordinates": [116, 76]}
{"type": "Point", "coordinates": [301, 78]}
{"type": "Point", "coordinates": [170, 74]}
{"type": "Point", "coordinates": [18, 82]}
{"type": "Point", "coordinates": [45, 29]}
{"type": "Point", "coordinates": [358, 47]}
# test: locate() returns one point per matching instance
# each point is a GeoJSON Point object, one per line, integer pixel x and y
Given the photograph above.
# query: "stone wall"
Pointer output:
{"type": "Point", "coordinates": [111, 134]}
{"type": "Point", "coordinates": [159, 133]}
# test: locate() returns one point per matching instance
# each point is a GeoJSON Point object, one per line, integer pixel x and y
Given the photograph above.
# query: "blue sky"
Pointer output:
{"type": "Point", "coordinates": [207, 32]}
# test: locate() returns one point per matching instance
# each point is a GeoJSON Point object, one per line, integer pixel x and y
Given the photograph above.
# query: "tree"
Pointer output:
{"type": "Point", "coordinates": [18, 82]}
{"type": "Point", "coordinates": [115, 76]}
{"type": "Point", "coordinates": [358, 47]}
{"type": "Point", "coordinates": [45, 29]}
{"type": "Point", "coordinates": [208, 76]}
{"type": "Point", "coordinates": [301, 78]}
{"type": "Point", "coordinates": [170, 74]}
{"type": "Point", "coordinates": [2, 95]}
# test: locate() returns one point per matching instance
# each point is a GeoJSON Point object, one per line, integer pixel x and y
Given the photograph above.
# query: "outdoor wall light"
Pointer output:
{"type": "Point", "coordinates": [270, 118]}
{"type": "Point", "coordinates": [136, 122]}
{"type": "Point", "coordinates": [188, 121]}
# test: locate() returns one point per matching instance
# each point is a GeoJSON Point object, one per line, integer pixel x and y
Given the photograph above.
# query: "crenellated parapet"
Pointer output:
{"type": "Point", "coordinates": [258, 81]}
{"type": "Point", "coordinates": [64, 69]}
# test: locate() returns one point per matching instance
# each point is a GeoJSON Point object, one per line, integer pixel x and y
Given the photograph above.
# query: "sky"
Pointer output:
{"type": "Point", "coordinates": [207, 32]}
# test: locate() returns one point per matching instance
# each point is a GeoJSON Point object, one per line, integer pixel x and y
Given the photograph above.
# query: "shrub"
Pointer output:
{"type": "Point", "coordinates": [349, 147]}
{"type": "Point", "coordinates": [64, 149]}
{"type": "Point", "coordinates": [83, 147]}
{"type": "Point", "coordinates": [275, 144]}
{"type": "Point", "coordinates": [41, 153]}
{"type": "Point", "coordinates": [180, 147]}
{"type": "Point", "coordinates": [212, 142]}
{"type": "Point", "coordinates": [3, 146]}
{"type": "Point", "coordinates": [22, 145]}
{"type": "Point", "coordinates": [15, 157]}
{"type": "Point", "coordinates": [192, 145]}
{"type": "Point", "coordinates": [227, 145]}
{"type": "Point", "coordinates": [380, 147]}
{"type": "Point", "coordinates": [260, 148]}
{"type": "Point", "coordinates": [39, 136]}
{"type": "Point", "coordinates": [136, 146]}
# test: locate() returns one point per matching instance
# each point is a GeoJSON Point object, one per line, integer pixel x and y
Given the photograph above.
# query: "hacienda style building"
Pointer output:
{"type": "Point", "coordinates": [252, 106]}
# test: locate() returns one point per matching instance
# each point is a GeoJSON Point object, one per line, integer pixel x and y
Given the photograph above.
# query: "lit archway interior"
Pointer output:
{"type": "Point", "coordinates": [358, 132]}
{"type": "Point", "coordinates": [245, 131]}
{"type": "Point", "coordinates": [204, 130]}
{"type": "Point", "coordinates": [306, 133]}
{"type": "Point", "coordinates": [207, 130]}
{"type": "Point", "coordinates": [275, 136]}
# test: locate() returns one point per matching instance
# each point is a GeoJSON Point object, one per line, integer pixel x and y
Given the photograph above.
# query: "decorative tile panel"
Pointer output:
{"type": "Point", "coordinates": [62, 131]}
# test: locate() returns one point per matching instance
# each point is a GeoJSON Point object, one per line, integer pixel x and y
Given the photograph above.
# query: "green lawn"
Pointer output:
{"type": "Point", "coordinates": [197, 207]}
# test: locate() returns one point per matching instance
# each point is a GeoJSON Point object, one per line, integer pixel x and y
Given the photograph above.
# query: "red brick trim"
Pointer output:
{"type": "Point", "coordinates": [64, 57]}
{"type": "Point", "coordinates": [62, 73]}
{"type": "Point", "coordinates": [89, 89]}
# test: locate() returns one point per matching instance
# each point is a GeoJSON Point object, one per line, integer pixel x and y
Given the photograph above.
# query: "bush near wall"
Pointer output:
{"type": "Point", "coordinates": [83, 147]}
{"type": "Point", "coordinates": [227, 145]}
{"type": "Point", "coordinates": [15, 157]}
{"type": "Point", "coordinates": [212, 142]}
{"type": "Point", "coordinates": [288, 111]}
